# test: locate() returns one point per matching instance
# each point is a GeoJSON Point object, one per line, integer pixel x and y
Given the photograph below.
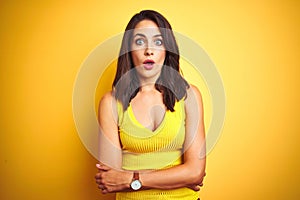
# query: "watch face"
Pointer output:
{"type": "Point", "coordinates": [136, 184]}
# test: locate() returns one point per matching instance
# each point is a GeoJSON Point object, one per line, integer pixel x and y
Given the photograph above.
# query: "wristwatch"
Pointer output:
{"type": "Point", "coordinates": [136, 183]}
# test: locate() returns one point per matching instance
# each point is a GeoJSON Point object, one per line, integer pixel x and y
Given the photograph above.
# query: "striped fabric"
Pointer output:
{"type": "Point", "coordinates": [144, 149]}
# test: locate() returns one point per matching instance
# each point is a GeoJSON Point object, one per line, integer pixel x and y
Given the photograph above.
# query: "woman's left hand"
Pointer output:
{"type": "Point", "coordinates": [110, 180]}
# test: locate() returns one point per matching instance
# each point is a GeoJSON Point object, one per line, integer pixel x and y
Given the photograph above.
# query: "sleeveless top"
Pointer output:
{"type": "Point", "coordinates": [143, 149]}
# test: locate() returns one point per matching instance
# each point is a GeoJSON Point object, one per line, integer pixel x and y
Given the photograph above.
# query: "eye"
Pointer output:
{"type": "Point", "coordinates": [158, 42]}
{"type": "Point", "coordinates": [139, 41]}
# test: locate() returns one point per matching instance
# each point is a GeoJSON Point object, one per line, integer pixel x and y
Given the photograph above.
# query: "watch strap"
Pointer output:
{"type": "Point", "coordinates": [136, 176]}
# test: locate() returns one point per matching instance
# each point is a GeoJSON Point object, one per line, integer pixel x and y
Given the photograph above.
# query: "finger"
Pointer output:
{"type": "Point", "coordinates": [104, 191]}
{"type": "Point", "coordinates": [98, 176]}
{"type": "Point", "coordinates": [196, 188]}
{"type": "Point", "coordinates": [98, 181]}
{"type": "Point", "coordinates": [100, 186]}
{"type": "Point", "coordinates": [102, 167]}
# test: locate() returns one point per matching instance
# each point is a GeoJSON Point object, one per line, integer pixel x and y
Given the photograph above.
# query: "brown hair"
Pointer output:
{"type": "Point", "coordinates": [170, 82]}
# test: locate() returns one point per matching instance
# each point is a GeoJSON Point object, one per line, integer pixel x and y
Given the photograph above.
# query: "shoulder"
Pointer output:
{"type": "Point", "coordinates": [107, 102]}
{"type": "Point", "coordinates": [193, 92]}
{"type": "Point", "coordinates": [107, 98]}
{"type": "Point", "coordinates": [193, 97]}
{"type": "Point", "coordinates": [108, 107]}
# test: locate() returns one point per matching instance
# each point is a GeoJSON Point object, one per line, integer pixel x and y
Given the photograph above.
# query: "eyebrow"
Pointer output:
{"type": "Point", "coordinates": [142, 35]}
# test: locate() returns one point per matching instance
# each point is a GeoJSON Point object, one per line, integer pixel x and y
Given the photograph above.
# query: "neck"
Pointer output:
{"type": "Point", "coordinates": [147, 84]}
{"type": "Point", "coordinates": [145, 87]}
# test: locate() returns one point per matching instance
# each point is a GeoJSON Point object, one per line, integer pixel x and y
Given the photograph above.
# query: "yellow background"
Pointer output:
{"type": "Point", "coordinates": [254, 44]}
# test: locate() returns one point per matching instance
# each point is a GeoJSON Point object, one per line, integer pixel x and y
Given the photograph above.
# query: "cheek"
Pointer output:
{"type": "Point", "coordinates": [135, 57]}
{"type": "Point", "coordinates": [162, 56]}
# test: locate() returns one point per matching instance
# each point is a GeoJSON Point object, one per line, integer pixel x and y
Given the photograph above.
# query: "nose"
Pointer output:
{"type": "Point", "coordinates": [148, 51]}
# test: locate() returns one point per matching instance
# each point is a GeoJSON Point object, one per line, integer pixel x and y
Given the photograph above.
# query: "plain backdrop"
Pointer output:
{"type": "Point", "coordinates": [254, 44]}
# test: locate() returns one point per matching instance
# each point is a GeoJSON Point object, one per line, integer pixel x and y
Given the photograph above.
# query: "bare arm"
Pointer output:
{"type": "Point", "coordinates": [110, 152]}
{"type": "Point", "coordinates": [188, 174]}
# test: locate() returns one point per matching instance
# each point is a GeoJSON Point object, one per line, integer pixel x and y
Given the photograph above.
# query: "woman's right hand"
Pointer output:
{"type": "Point", "coordinates": [110, 180]}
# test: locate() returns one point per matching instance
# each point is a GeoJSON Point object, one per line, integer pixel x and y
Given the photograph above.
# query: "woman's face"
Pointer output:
{"type": "Point", "coordinates": [148, 50]}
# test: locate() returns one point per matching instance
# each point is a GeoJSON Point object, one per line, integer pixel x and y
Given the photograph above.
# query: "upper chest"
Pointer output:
{"type": "Point", "coordinates": [148, 109]}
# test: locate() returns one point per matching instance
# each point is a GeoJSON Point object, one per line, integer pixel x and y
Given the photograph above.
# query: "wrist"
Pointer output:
{"type": "Point", "coordinates": [136, 184]}
{"type": "Point", "coordinates": [128, 179]}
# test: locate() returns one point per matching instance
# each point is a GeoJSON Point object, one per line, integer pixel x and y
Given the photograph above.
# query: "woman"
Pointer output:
{"type": "Point", "coordinates": [152, 140]}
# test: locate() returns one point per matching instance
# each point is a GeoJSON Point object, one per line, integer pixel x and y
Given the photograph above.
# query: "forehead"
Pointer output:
{"type": "Point", "coordinates": [146, 27]}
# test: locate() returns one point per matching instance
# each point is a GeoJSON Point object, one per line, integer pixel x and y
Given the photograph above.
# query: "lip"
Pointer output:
{"type": "Point", "coordinates": [148, 61]}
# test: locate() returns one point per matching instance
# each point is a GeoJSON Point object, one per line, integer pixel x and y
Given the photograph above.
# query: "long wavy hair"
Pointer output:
{"type": "Point", "coordinates": [170, 82]}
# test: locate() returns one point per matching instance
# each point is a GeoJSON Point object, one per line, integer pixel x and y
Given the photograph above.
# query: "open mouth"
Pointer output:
{"type": "Point", "coordinates": [148, 64]}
